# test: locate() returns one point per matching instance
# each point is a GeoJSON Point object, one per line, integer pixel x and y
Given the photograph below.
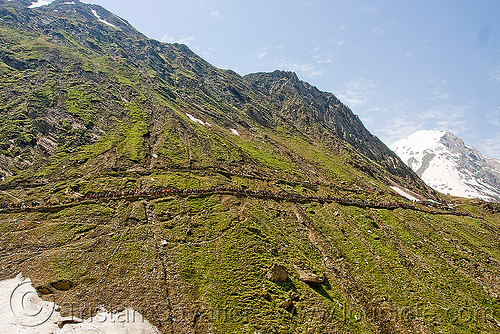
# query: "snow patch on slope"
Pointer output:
{"type": "Point", "coordinates": [23, 312]}
{"type": "Point", "coordinates": [235, 132]}
{"type": "Point", "coordinates": [405, 194]}
{"type": "Point", "coordinates": [103, 21]}
{"type": "Point", "coordinates": [40, 3]}
{"type": "Point", "coordinates": [197, 120]}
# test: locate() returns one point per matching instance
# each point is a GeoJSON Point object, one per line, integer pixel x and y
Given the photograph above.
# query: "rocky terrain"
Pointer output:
{"type": "Point", "coordinates": [138, 176]}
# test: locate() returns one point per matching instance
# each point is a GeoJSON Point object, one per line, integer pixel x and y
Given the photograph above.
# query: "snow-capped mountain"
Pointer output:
{"type": "Point", "coordinates": [449, 165]}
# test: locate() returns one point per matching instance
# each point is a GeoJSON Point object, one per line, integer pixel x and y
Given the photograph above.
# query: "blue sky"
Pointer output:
{"type": "Point", "coordinates": [402, 66]}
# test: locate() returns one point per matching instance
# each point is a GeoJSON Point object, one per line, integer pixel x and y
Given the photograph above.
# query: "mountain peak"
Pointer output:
{"type": "Point", "coordinates": [447, 164]}
{"type": "Point", "coordinates": [423, 139]}
{"type": "Point", "coordinates": [52, 10]}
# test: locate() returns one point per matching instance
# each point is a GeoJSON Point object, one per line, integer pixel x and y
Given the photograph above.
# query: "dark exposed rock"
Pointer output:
{"type": "Point", "coordinates": [286, 303]}
{"type": "Point", "coordinates": [62, 285]}
{"type": "Point", "coordinates": [44, 290]}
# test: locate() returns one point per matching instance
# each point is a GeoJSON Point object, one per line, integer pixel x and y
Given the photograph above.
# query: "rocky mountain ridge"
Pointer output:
{"type": "Point", "coordinates": [106, 66]}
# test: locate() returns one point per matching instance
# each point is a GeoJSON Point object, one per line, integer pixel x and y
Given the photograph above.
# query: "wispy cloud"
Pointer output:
{"type": "Point", "coordinates": [370, 9]}
{"type": "Point", "coordinates": [308, 69]}
{"type": "Point", "coordinates": [447, 117]}
{"type": "Point", "coordinates": [215, 14]}
{"type": "Point", "coordinates": [439, 92]}
{"type": "Point", "coordinates": [371, 115]}
{"type": "Point", "coordinates": [167, 38]}
{"type": "Point", "coordinates": [338, 44]}
{"type": "Point", "coordinates": [378, 30]}
{"type": "Point", "coordinates": [320, 57]}
{"type": "Point", "coordinates": [400, 127]}
{"type": "Point", "coordinates": [491, 69]}
{"type": "Point", "coordinates": [324, 61]}
{"type": "Point", "coordinates": [494, 73]}
{"type": "Point", "coordinates": [260, 54]}
{"type": "Point", "coordinates": [494, 117]}
{"type": "Point", "coordinates": [491, 146]}
{"type": "Point", "coordinates": [357, 91]}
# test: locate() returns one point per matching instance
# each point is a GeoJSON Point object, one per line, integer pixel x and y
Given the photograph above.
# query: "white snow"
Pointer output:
{"type": "Point", "coordinates": [235, 132]}
{"type": "Point", "coordinates": [23, 312]}
{"type": "Point", "coordinates": [405, 194]}
{"type": "Point", "coordinates": [40, 3]}
{"type": "Point", "coordinates": [422, 140]}
{"type": "Point", "coordinates": [444, 162]}
{"type": "Point", "coordinates": [197, 120]}
{"type": "Point", "coordinates": [69, 3]}
{"type": "Point", "coordinates": [103, 21]}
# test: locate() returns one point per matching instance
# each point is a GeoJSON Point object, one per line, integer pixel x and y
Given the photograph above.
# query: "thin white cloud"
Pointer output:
{"type": "Point", "coordinates": [491, 146]}
{"type": "Point", "coordinates": [378, 30]}
{"type": "Point", "coordinates": [324, 61]}
{"type": "Point", "coordinates": [320, 57]}
{"type": "Point", "coordinates": [490, 69]}
{"type": "Point", "coordinates": [447, 118]}
{"type": "Point", "coordinates": [281, 47]}
{"type": "Point", "coordinates": [494, 117]}
{"type": "Point", "coordinates": [494, 73]}
{"type": "Point", "coordinates": [261, 54]}
{"type": "Point", "coordinates": [316, 50]}
{"type": "Point", "coordinates": [271, 51]}
{"type": "Point", "coordinates": [307, 69]}
{"type": "Point", "coordinates": [337, 43]}
{"type": "Point", "coordinates": [370, 115]}
{"type": "Point", "coordinates": [400, 127]}
{"type": "Point", "coordinates": [357, 91]}
{"type": "Point", "coordinates": [439, 94]}
{"type": "Point", "coordinates": [370, 9]}
{"type": "Point", "coordinates": [215, 14]}
{"type": "Point", "coordinates": [167, 38]}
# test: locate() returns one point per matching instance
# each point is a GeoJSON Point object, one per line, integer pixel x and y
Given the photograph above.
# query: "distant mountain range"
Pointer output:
{"type": "Point", "coordinates": [449, 165]}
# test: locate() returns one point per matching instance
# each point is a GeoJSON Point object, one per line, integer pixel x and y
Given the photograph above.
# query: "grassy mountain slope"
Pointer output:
{"type": "Point", "coordinates": [87, 108]}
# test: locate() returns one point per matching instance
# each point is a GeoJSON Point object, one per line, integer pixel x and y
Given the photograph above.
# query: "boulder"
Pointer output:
{"type": "Point", "coordinates": [63, 285]}
{"type": "Point", "coordinates": [286, 303]}
{"type": "Point", "coordinates": [44, 290]}
{"type": "Point", "coordinates": [277, 273]}
{"type": "Point", "coordinates": [309, 277]}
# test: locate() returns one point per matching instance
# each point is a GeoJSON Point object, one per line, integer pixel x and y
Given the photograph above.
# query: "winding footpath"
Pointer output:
{"type": "Point", "coordinates": [134, 195]}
